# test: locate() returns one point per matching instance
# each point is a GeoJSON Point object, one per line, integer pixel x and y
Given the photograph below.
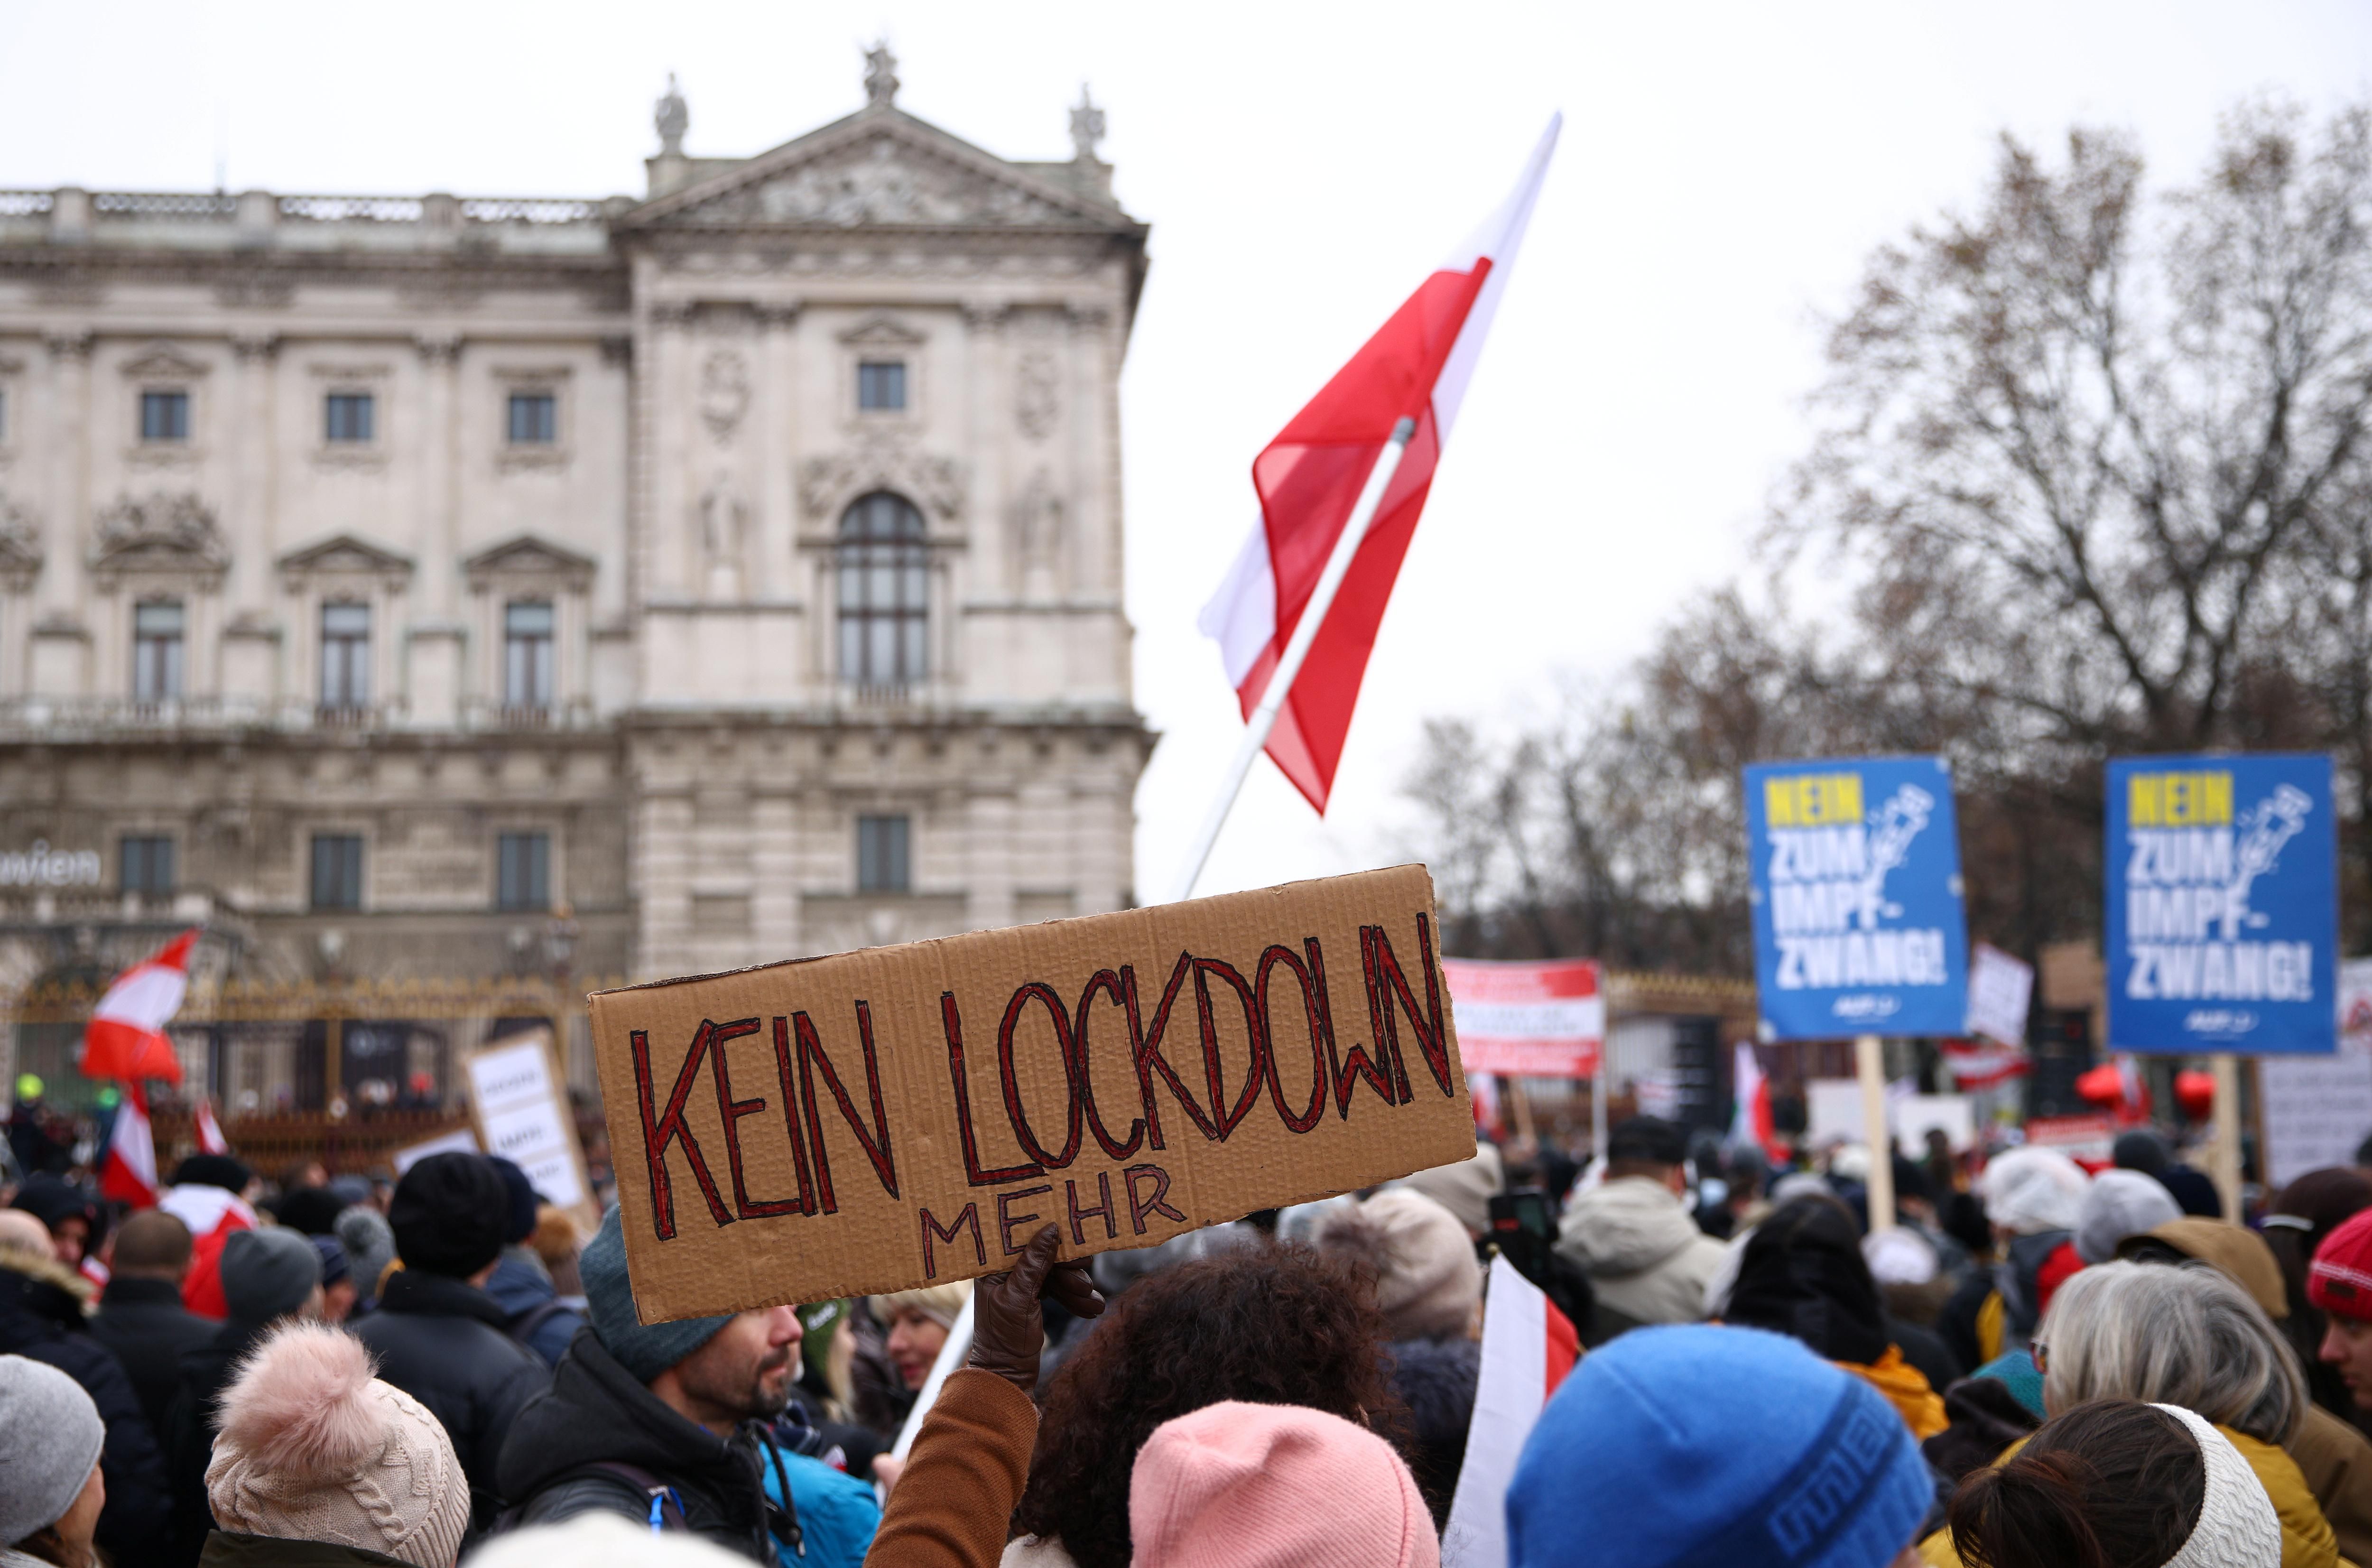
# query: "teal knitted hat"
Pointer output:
{"type": "Point", "coordinates": [644, 1349]}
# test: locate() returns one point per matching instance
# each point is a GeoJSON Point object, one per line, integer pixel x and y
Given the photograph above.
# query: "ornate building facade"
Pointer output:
{"type": "Point", "coordinates": [456, 586]}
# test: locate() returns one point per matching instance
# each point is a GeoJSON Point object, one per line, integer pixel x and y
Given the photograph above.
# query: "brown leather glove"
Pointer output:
{"type": "Point", "coordinates": [1007, 1330]}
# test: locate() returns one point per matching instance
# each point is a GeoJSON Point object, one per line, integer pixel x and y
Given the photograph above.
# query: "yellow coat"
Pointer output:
{"type": "Point", "coordinates": [2307, 1540]}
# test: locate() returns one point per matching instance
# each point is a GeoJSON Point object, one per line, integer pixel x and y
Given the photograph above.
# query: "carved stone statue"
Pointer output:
{"type": "Point", "coordinates": [881, 76]}
{"type": "Point", "coordinates": [722, 519]}
{"type": "Point", "coordinates": [672, 118]}
{"type": "Point", "coordinates": [1086, 127]}
{"type": "Point", "coordinates": [724, 393]}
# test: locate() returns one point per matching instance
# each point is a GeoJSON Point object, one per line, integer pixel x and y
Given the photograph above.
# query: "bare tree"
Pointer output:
{"type": "Point", "coordinates": [2094, 475]}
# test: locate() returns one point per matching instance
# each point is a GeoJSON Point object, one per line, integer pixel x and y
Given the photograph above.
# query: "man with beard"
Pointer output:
{"type": "Point", "coordinates": [662, 1423]}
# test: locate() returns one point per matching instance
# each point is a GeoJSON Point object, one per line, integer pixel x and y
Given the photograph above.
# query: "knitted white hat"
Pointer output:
{"type": "Point", "coordinates": [313, 1448]}
{"type": "Point", "coordinates": [2238, 1527]}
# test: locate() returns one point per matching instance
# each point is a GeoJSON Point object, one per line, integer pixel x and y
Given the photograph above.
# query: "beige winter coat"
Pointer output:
{"type": "Point", "coordinates": [1642, 1250]}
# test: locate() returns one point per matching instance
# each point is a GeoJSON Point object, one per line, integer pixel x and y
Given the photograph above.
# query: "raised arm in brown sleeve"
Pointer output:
{"type": "Point", "coordinates": [963, 1477]}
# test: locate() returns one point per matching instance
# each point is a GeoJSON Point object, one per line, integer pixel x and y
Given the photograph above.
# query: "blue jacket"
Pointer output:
{"type": "Point", "coordinates": [519, 1287]}
{"type": "Point", "coordinates": [837, 1513]}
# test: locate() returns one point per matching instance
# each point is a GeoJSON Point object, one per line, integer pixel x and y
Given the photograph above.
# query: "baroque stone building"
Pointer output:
{"type": "Point", "coordinates": [456, 586]}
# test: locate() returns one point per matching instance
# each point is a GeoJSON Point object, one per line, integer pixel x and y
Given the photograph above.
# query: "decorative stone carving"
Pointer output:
{"type": "Point", "coordinates": [20, 545]}
{"type": "Point", "coordinates": [724, 393]}
{"type": "Point", "coordinates": [1037, 394]}
{"type": "Point", "coordinates": [438, 348]}
{"type": "Point", "coordinates": [936, 484]}
{"type": "Point", "coordinates": [880, 180]}
{"type": "Point", "coordinates": [164, 532]}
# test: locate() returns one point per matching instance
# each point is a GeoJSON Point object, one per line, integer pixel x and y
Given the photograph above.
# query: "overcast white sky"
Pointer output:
{"type": "Point", "coordinates": [1725, 168]}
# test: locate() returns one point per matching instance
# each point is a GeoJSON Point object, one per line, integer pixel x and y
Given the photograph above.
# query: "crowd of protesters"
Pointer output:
{"type": "Point", "coordinates": [2038, 1364]}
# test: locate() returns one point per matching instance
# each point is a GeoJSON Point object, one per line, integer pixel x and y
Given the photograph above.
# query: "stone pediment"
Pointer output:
{"type": "Point", "coordinates": [880, 168]}
{"type": "Point", "coordinates": [161, 532]}
{"type": "Point", "coordinates": [881, 331]}
{"type": "Point", "coordinates": [345, 554]}
{"type": "Point", "coordinates": [529, 557]}
{"type": "Point", "coordinates": [163, 362]}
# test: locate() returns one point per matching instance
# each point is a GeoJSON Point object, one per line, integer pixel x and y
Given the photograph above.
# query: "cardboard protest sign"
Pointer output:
{"type": "Point", "coordinates": [520, 1103]}
{"type": "Point", "coordinates": [461, 1140]}
{"type": "Point", "coordinates": [1856, 865]}
{"type": "Point", "coordinates": [911, 1115]}
{"type": "Point", "coordinates": [2222, 905]}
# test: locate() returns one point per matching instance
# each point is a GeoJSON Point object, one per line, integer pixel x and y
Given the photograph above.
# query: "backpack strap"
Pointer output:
{"type": "Point", "coordinates": [667, 1503]}
{"type": "Point", "coordinates": [523, 1327]}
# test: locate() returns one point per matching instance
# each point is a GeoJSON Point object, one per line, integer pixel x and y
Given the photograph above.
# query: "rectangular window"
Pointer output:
{"type": "Point", "coordinates": [156, 651]}
{"type": "Point", "coordinates": [527, 653]}
{"type": "Point", "coordinates": [146, 865]}
{"type": "Point", "coordinates": [4, 418]}
{"type": "Point", "coordinates": [337, 871]}
{"type": "Point", "coordinates": [535, 419]}
{"type": "Point", "coordinates": [345, 655]}
{"type": "Point", "coordinates": [523, 871]}
{"type": "Point", "coordinates": [881, 864]}
{"type": "Point", "coordinates": [881, 384]}
{"type": "Point", "coordinates": [348, 416]}
{"type": "Point", "coordinates": [164, 416]}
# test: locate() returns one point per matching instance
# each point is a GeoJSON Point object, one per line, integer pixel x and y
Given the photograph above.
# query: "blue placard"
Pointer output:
{"type": "Point", "coordinates": [1857, 921]}
{"type": "Point", "coordinates": [2222, 905]}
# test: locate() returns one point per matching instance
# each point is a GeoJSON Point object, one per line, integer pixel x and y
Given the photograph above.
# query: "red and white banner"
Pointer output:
{"type": "Point", "coordinates": [126, 1038]}
{"type": "Point", "coordinates": [1309, 479]}
{"type": "Point", "coordinates": [127, 1173]}
{"type": "Point", "coordinates": [1541, 1020]}
{"type": "Point", "coordinates": [1982, 1063]}
{"type": "Point", "coordinates": [1527, 1348]}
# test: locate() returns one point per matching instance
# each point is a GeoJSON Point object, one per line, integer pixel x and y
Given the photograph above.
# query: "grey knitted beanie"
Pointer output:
{"type": "Point", "coordinates": [50, 1439]}
{"type": "Point", "coordinates": [646, 1350]}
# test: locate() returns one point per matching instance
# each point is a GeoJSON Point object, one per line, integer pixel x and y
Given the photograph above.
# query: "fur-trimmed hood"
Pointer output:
{"type": "Point", "coordinates": [36, 1275]}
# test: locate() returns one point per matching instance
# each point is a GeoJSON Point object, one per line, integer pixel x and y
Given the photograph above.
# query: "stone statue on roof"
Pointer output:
{"type": "Point", "coordinates": [672, 118]}
{"type": "Point", "coordinates": [1086, 127]}
{"type": "Point", "coordinates": [881, 76]}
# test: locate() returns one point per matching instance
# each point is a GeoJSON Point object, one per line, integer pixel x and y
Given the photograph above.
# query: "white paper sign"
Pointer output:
{"type": "Point", "coordinates": [2318, 1108]}
{"type": "Point", "coordinates": [2001, 988]}
{"type": "Point", "coordinates": [463, 1142]}
{"type": "Point", "coordinates": [525, 1119]}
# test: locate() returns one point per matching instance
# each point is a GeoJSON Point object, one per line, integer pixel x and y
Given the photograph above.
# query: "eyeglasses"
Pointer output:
{"type": "Point", "coordinates": [2041, 1354]}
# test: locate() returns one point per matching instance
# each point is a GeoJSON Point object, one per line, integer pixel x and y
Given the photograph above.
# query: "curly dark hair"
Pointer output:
{"type": "Point", "coordinates": [1274, 1324]}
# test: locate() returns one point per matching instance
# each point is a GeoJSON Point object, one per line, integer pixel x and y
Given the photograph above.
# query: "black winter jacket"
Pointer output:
{"type": "Point", "coordinates": [228, 1549]}
{"type": "Point", "coordinates": [144, 1323]}
{"type": "Point", "coordinates": [597, 1412]}
{"type": "Point", "coordinates": [443, 1341]}
{"type": "Point", "coordinates": [41, 1319]}
{"type": "Point", "coordinates": [205, 1371]}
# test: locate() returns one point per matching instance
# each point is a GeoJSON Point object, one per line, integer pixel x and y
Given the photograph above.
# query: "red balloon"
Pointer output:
{"type": "Point", "coordinates": [2101, 1085]}
{"type": "Point", "coordinates": [2196, 1092]}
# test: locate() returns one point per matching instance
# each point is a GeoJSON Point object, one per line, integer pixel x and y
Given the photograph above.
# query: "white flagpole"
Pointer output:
{"type": "Point", "coordinates": [1305, 633]}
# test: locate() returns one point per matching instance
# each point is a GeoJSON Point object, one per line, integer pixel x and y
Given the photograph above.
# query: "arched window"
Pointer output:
{"type": "Point", "coordinates": [884, 584]}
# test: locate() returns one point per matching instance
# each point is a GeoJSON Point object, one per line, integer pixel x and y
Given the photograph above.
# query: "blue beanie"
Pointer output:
{"type": "Point", "coordinates": [644, 1350]}
{"type": "Point", "coordinates": [1715, 1448]}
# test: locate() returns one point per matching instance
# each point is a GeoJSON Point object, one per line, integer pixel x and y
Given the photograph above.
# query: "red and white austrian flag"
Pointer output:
{"type": "Point", "coordinates": [1309, 480]}
{"type": "Point", "coordinates": [1527, 1348]}
{"type": "Point", "coordinates": [126, 1038]}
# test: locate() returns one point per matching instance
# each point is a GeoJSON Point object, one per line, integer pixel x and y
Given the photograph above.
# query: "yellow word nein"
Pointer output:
{"type": "Point", "coordinates": [1812, 800]}
{"type": "Point", "coordinates": [2179, 801]}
